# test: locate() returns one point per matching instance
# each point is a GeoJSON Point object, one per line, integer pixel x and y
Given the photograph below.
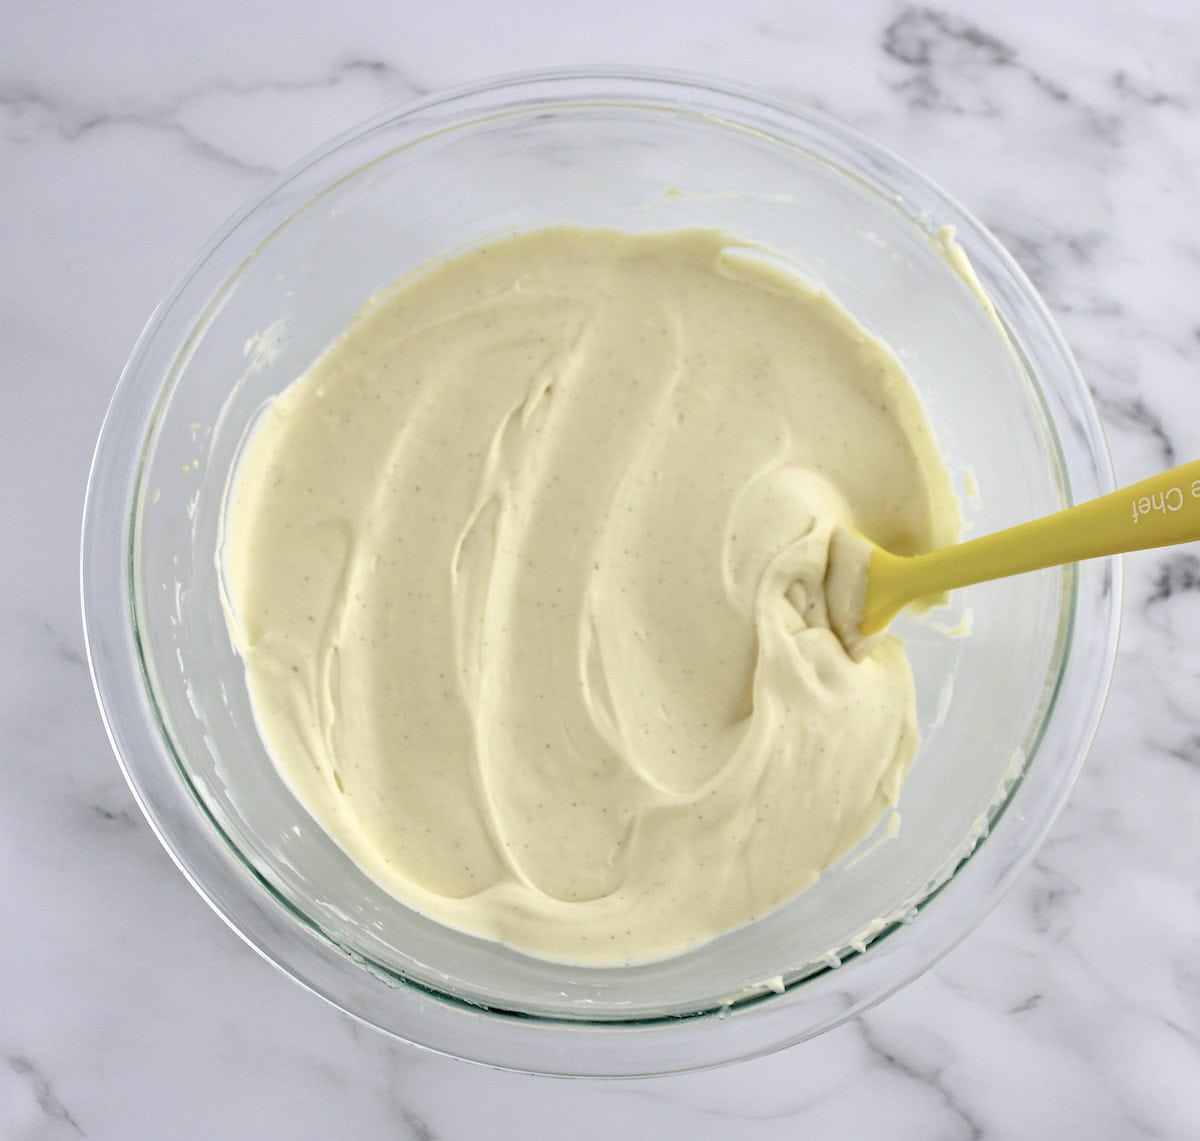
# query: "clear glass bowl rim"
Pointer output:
{"type": "Point", "coordinates": [495, 1038]}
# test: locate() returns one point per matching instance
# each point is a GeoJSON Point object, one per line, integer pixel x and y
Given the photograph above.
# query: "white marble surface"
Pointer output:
{"type": "Point", "coordinates": [130, 130]}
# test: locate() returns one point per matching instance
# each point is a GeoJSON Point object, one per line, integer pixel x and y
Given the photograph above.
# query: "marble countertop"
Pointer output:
{"type": "Point", "coordinates": [129, 132]}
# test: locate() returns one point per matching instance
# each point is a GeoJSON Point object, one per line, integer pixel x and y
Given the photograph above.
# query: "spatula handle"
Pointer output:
{"type": "Point", "coordinates": [1157, 512]}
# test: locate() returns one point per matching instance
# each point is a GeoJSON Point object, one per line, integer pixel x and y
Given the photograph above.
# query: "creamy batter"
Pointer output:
{"type": "Point", "coordinates": [527, 572]}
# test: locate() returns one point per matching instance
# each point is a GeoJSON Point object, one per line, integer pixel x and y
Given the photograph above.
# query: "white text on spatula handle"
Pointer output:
{"type": "Point", "coordinates": [1163, 502]}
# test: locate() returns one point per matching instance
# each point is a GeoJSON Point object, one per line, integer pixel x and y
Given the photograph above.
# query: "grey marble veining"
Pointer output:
{"type": "Point", "coordinates": [127, 135]}
{"type": "Point", "coordinates": [205, 117]}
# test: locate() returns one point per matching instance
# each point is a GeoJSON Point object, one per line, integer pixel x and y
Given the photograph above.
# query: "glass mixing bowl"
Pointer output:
{"type": "Point", "coordinates": [1006, 714]}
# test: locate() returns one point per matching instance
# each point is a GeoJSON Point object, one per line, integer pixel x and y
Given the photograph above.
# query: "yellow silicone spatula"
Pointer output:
{"type": "Point", "coordinates": [1157, 512]}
